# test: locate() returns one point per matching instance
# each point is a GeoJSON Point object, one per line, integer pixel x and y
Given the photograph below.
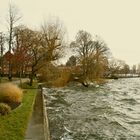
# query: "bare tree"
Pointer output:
{"type": "Point", "coordinates": [12, 19]}
{"type": "Point", "coordinates": [21, 57]}
{"type": "Point", "coordinates": [71, 61]}
{"type": "Point", "coordinates": [101, 56]}
{"type": "Point", "coordinates": [115, 66]}
{"type": "Point", "coordinates": [126, 69]}
{"type": "Point", "coordinates": [29, 51]}
{"type": "Point", "coordinates": [134, 69]}
{"type": "Point", "coordinates": [138, 69]}
{"type": "Point", "coordinates": [2, 41]}
{"type": "Point", "coordinates": [85, 48]}
{"type": "Point", "coordinates": [53, 35]}
{"type": "Point", "coordinates": [92, 54]}
{"type": "Point", "coordinates": [41, 47]}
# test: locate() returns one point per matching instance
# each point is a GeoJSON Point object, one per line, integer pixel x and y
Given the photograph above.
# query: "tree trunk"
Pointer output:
{"type": "Point", "coordinates": [10, 45]}
{"type": "Point", "coordinates": [31, 77]}
{"type": "Point", "coordinates": [31, 80]}
{"type": "Point", "coordinates": [10, 71]}
{"type": "Point", "coordinates": [20, 76]}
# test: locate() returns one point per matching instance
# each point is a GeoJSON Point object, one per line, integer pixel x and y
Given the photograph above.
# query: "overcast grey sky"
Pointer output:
{"type": "Point", "coordinates": [116, 21]}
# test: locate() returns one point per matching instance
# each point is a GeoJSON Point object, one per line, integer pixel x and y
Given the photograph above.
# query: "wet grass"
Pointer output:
{"type": "Point", "coordinates": [13, 126]}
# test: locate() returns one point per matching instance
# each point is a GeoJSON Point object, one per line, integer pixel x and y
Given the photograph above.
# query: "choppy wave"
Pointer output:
{"type": "Point", "coordinates": [111, 111]}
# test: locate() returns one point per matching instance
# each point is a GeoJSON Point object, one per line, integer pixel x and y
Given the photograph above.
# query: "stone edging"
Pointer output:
{"type": "Point", "coordinates": [45, 116]}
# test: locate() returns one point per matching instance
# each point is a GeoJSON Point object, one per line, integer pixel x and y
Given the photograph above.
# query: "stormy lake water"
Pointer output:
{"type": "Point", "coordinates": [108, 112]}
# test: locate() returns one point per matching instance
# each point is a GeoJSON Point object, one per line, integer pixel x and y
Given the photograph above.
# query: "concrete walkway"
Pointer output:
{"type": "Point", "coordinates": [35, 130]}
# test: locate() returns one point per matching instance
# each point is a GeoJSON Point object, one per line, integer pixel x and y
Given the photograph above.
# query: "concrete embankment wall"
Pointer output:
{"type": "Point", "coordinates": [45, 119]}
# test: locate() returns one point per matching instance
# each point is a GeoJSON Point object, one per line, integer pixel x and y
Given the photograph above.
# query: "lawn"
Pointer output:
{"type": "Point", "coordinates": [26, 85]}
{"type": "Point", "coordinates": [13, 126]}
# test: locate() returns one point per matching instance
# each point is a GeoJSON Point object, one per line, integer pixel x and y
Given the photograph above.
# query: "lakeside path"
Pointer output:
{"type": "Point", "coordinates": [35, 130]}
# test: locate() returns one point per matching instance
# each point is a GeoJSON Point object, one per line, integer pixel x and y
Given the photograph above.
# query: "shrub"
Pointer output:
{"type": "Point", "coordinates": [4, 109]}
{"type": "Point", "coordinates": [63, 79]}
{"type": "Point", "coordinates": [49, 73]}
{"type": "Point", "coordinates": [10, 93]}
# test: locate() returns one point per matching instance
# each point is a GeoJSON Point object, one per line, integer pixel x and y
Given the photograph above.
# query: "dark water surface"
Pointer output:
{"type": "Point", "coordinates": [109, 112]}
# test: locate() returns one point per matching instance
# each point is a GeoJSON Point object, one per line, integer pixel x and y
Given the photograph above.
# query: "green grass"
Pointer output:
{"type": "Point", "coordinates": [26, 85]}
{"type": "Point", "coordinates": [13, 126]}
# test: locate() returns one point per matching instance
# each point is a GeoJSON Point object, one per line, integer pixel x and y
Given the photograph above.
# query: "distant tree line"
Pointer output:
{"type": "Point", "coordinates": [28, 52]}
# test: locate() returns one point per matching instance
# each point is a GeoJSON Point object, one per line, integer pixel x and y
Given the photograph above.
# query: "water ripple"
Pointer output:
{"type": "Point", "coordinates": [111, 111]}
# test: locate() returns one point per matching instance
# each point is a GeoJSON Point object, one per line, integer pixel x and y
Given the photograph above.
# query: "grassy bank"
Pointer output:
{"type": "Point", "coordinates": [14, 125]}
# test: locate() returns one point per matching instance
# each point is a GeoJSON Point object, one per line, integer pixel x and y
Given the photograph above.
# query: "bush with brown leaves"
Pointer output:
{"type": "Point", "coordinates": [10, 93]}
